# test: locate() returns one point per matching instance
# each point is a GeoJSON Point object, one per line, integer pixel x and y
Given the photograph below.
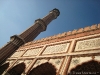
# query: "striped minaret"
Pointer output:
{"type": "Point", "coordinates": [27, 36]}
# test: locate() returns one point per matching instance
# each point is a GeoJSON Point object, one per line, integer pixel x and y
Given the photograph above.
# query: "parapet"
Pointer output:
{"type": "Point", "coordinates": [65, 34]}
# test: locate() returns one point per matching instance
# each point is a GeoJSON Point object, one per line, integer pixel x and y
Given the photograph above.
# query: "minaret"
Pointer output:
{"type": "Point", "coordinates": [30, 34]}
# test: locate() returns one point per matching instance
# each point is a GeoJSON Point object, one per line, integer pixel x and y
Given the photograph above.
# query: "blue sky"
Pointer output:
{"type": "Point", "coordinates": [18, 15]}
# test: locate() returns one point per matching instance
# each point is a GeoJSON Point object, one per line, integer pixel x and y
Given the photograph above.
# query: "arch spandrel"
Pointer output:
{"type": "Point", "coordinates": [17, 69]}
{"type": "Point", "coordinates": [84, 66]}
{"type": "Point", "coordinates": [43, 69]}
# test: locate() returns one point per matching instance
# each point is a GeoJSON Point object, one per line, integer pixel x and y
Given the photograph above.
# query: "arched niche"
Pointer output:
{"type": "Point", "coordinates": [43, 69]}
{"type": "Point", "coordinates": [17, 69]}
{"type": "Point", "coordinates": [91, 67]}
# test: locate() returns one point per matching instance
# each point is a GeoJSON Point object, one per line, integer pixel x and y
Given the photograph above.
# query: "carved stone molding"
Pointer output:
{"type": "Point", "coordinates": [42, 23]}
{"type": "Point", "coordinates": [17, 40]}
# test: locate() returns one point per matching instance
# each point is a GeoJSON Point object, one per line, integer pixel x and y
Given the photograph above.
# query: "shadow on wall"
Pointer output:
{"type": "Point", "coordinates": [17, 70]}
{"type": "Point", "coordinates": [91, 67]}
{"type": "Point", "coordinates": [3, 67]}
{"type": "Point", "coordinates": [44, 69]}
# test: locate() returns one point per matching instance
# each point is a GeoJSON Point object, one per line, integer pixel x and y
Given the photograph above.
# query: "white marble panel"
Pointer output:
{"type": "Point", "coordinates": [88, 44]}
{"type": "Point", "coordinates": [59, 48]}
{"type": "Point", "coordinates": [17, 54]}
{"type": "Point", "coordinates": [32, 52]}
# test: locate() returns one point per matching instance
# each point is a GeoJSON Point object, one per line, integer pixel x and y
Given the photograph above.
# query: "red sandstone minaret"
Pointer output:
{"type": "Point", "coordinates": [27, 36]}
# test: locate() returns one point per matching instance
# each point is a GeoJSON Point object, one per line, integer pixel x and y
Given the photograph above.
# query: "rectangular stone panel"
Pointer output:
{"type": "Point", "coordinates": [32, 52]}
{"type": "Point", "coordinates": [17, 54]}
{"type": "Point", "coordinates": [88, 44]}
{"type": "Point", "coordinates": [58, 48]}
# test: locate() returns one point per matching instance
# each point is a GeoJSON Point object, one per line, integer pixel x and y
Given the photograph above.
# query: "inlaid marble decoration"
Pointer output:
{"type": "Point", "coordinates": [78, 61]}
{"type": "Point", "coordinates": [17, 54]}
{"type": "Point", "coordinates": [39, 62]}
{"type": "Point", "coordinates": [59, 48]}
{"type": "Point", "coordinates": [19, 61]}
{"type": "Point", "coordinates": [88, 44]}
{"type": "Point", "coordinates": [32, 52]}
{"type": "Point", "coordinates": [56, 62]}
{"type": "Point", "coordinates": [10, 62]}
{"type": "Point", "coordinates": [27, 62]}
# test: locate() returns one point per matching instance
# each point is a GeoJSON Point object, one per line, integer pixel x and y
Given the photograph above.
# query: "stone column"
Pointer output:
{"type": "Point", "coordinates": [27, 36]}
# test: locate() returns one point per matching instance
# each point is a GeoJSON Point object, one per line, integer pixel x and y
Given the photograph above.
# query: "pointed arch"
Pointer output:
{"type": "Point", "coordinates": [3, 67]}
{"type": "Point", "coordinates": [44, 69]}
{"type": "Point", "coordinates": [18, 69]}
{"type": "Point", "coordinates": [91, 67]}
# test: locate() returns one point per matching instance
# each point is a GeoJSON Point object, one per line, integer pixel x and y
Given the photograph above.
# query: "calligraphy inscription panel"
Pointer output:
{"type": "Point", "coordinates": [59, 48]}
{"type": "Point", "coordinates": [88, 44]}
{"type": "Point", "coordinates": [32, 52]}
{"type": "Point", "coordinates": [17, 54]}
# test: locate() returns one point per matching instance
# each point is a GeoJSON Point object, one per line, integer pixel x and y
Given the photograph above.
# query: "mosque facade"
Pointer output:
{"type": "Point", "coordinates": [74, 52]}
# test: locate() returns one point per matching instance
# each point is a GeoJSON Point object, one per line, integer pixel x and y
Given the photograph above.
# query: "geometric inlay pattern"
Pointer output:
{"type": "Point", "coordinates": [76, 61]}
{"type": "Point", "coordinates": [88, 44]}
{"type": "Point", "coordinates": [32, 52]}
{"type": "Point", "coordinates": [59, 48]}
